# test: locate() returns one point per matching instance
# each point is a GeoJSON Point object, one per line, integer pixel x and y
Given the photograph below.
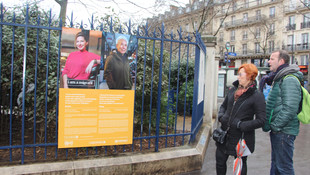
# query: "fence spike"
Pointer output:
{"type": "Point", "coordinates": [111, 25]}
{"type": "Point", "coordinates": [81, 26]}
{"type": "Point", "coordinates": [2, 13]}
{"type": "Point", "coordinates": [71, 21]}
{"type": "Point", "coordinates": [120, 29]}
{"type": "Point", "coordinates": [91, 22]}
{"type": "Point", "coordinates": [180, 33]}
{"type": "Point", "coordinates": [38, 20]}
{"type": "Point", "coordinates": [129, 27]}
{"type": "Point", "coordinates": [101, 27]}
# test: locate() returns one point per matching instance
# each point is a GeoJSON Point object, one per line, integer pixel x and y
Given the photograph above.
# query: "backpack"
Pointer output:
{"type": "Point", "coordinates": [304, 114]}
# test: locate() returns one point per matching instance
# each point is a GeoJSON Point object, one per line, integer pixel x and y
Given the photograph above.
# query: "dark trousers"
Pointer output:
{"type": "Point", "coordinates": [221, 159]}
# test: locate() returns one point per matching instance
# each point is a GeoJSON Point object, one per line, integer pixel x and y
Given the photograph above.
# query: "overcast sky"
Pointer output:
{"type": "Point", "coordinates": [136, 10]}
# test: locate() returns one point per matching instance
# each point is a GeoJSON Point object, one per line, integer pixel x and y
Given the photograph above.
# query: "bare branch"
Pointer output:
{"type": "Point", "coordinates": [223, 19]}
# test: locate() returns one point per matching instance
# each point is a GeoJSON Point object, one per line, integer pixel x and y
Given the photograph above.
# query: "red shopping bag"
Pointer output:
{"type": "Point", "coordinates": [241, 150]}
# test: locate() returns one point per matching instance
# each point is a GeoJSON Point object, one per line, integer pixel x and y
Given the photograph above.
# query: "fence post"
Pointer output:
{"type": "Point", "coordinates": [159, 85]}
{"type": "Point", "coordinates": [210, 107]}
{"type": "Point", "coordinates": [1, 18]}
{"type": "Point", "coordinates": [24, 83]}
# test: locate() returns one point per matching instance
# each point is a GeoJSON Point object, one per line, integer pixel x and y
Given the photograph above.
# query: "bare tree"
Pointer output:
{"type": "Point", "coordinates": [262, 32]}
{"type": "Point", "coordinates": [206, 15]}
{"type": "Point", "coordinates": [305, 3]}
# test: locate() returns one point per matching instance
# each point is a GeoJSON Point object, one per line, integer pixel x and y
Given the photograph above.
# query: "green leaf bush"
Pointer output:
{"type": "Point", "coordinates": [36, 70]}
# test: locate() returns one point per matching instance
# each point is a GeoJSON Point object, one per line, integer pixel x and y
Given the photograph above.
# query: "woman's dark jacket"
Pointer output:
{"type": "Point", "coordinates": [252, 114]}
{"type": "Point", "coordinates": [117, 71]}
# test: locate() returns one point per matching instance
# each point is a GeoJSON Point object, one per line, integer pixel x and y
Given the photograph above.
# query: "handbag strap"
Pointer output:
{"type": "Point", "coordinates": [234, 114]}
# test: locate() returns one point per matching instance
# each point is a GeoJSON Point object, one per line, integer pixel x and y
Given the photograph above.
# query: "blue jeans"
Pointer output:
{"type": "Point", "coordinates": [282, 149]}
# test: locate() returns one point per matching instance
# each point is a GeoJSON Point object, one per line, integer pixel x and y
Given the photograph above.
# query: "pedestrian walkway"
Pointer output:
{"type": "Point", "coordinates": [259, 162]}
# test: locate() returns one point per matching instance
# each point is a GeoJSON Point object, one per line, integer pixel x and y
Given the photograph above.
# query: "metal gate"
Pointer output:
{"type": "Point", "coordinates": [168, 109]}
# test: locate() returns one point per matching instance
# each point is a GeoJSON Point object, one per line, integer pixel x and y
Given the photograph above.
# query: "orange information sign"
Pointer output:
{"type": "Point", "coordinates": [95, 117]}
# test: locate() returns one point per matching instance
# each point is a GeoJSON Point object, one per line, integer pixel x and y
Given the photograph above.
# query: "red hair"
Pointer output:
{"type": "Point", "coordinates": [250, 70]}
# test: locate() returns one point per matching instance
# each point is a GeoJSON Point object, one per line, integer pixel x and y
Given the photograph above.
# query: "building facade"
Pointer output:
{"type": "Point", "coordinates": [252, 29]}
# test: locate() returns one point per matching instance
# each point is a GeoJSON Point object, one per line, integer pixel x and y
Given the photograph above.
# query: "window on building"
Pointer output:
{"type": "Point", "coordinates": [259, 2]}
{"type": "Point", "coordinates": [257, 32]}
{"type": "Point", "coordinates": [245, 17]}
{"type": "Point", "coordinates": [307, 3]}
{"type": "Point", "coordinates": [246, 3]}
{"type": "Point", "coordinates": [232, 35]}
{"type": "Point", "coordinates": [272, 12]}
{"type": "Point", "coordinates": [272, 29]}
{"type": "Point", "coordinates": [292, 5]}
{"type": "Point", "coordinates": [233, 18]}
{"type": "Point", "coordinates": [305, 40]}
{"type": "Point", "coordinates": [234, 7]}
{"type": "Point", "coordinates": [306, 21]}
{"type": "Point", "coordinates": [244, 49]}
{"type": "Point", "coordinates": [188, 9]}
{"type": "Point", "coordinates": [244, 61]}
{"type": "Point", "coordinates": [271, 46]}
{"type": "Point", "coordinates": [257, 47]}
{"type": "Point", "coordinates": [195, 25]}
{"type": "Point", "coordinates": [304, 59]}
{"type": "Point", "coordinates": [187, 27]}
{"type": "Point", "coordinates": [221, 21]}
{"type": "Point", "coordinates": [258, 15]}
{"type": "Point", "coordinates": [232, 48]}
{"type": "Point", "coordinates": [306, 18]}
{"type": "Point", "coordinates": [291, 23]}
{"type": "Point", "coordinates": [195, 5]}
{"type": "Point", "coordinates": [290, 42]}
{"type": "Point", "coordinates": [222, 9]}
{"type": "Point", "coordinates": [180, 10]}
{"type": "Point", "coordinates": [245, 35]}
{"type": "Point", "coordinates": [221, 37]}
{"type": "Point", "coordinates": [221, 50]}
{"type": "Point", "coordinates": [256, 62]}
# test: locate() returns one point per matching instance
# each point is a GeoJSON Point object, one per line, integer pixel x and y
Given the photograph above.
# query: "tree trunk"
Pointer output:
{"type": "Point", "coordinates": [63, 10]}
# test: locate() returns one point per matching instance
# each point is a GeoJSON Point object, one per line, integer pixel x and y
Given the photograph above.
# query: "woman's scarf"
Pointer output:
{"type": "Point", "coordinates": [242, 90]}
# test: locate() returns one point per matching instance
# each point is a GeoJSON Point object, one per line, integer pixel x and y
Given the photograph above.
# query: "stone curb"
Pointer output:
{"type": "Point", "coordinates": [168, 161]}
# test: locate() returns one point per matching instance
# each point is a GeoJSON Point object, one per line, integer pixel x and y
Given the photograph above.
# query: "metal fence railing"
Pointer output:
{"type": "Point", "coordinates": [167, 110]}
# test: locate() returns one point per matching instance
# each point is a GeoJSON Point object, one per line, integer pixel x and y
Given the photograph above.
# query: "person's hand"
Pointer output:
{"type": "Point", "coordinates": [90, 66]}
{"type": "Point", "coordinates": [236, 124]}
{"type": "Point", "coordinates": [65, 81]}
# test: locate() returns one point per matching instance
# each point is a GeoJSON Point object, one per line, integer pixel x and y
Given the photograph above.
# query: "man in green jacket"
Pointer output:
{"type": "Point", "coordinates": [281, 111]}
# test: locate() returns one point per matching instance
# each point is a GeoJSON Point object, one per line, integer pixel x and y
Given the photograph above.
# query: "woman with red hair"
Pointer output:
{"type": "Point", "coordinates": [236, 116]}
